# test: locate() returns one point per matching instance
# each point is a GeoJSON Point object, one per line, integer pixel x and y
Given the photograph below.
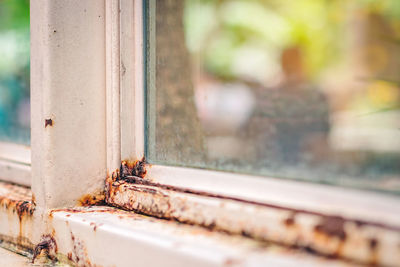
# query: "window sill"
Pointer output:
{"type": "Point", "coordinates": [106, 236]}
{"type": "Point", "coordinates": [110, 237]}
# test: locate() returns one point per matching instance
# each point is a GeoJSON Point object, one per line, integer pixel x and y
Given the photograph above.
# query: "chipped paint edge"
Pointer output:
{"type": "Point", "coordinates": [324, 234]}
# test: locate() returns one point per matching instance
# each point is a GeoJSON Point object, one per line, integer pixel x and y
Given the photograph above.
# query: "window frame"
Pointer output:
{"type": "Point", "coordinates": [206, 190]}
{"type": "Point", "coordinates": [339, 200]}
{"type": "Point", "coordinates": [96, 103]}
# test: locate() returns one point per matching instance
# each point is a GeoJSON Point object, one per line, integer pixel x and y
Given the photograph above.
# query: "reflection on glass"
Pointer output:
{"type": "Point", "coordinates": [14, 71]}
{"type": "Point", "coordinates": [304, 89]}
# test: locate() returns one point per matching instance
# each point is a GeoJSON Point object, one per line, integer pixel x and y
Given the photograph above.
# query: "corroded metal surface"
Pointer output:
{"type": "Point", "coordinates": [48, 246]}
{"type": "Point", "coordinates": [16, 214]}
{"type": "Point", "coordinates": [324, 234]}
{"type": "Point", "coordinates": [106, 236]}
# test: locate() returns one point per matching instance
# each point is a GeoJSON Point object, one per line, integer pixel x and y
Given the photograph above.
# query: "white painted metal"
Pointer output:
{"type": "Point", "coordinates": [15, 163]}
{"type": "Point", "coordinates": [351, 203]}
{"type": "Point", "coordinates": [356, 204]}
{"type": "Point", "coordinates": [132, 87]}
{"type": "Point", "coordinates": [115, 238]}
{"type": "Point", "coordinates": [68, 87]}
{"type": "Point", "coordinates": [15, 152]}
{"type": "Point", "coordinates": [77, 82]}
{"type": "Point", "coordinates": [14, 227]}
{"type": "Point", "coordinates": [15, 172]}
{"type": "Point", "coordinates": [113, 85]}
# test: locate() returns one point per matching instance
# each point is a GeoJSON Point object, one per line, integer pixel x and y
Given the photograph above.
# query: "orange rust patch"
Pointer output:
{"type": "Point", "coordinates": [17, 199]}
{"type": "Point", "coordinates": [92, 200]}
{"type": "Point", "coordinates": [33, 199]}
{"type": "Point", "coordinates": [289, 221]}
{"type": "Point", "coordinates": [136, 168]}
{"type": "Point", "coordinates": [110, 179]}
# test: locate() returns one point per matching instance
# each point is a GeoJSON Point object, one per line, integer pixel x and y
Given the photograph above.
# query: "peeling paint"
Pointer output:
{"type": "Point", "coordinates": [92, 199]}
{"type": "Point", "coordinates": [16, 202]}
{"type": "Point", "coordinates": [136, 168]}
{"type": "Point", "coordinates": [323, 234]}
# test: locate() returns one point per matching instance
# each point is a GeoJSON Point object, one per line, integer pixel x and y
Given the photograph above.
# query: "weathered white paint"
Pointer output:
{"type": "Point", "coordinates": [15, 163]}
{"type": "Point", "coordinates": [77, 82]}
{"type": "Point", "coordinates": [350, 203]}
{"type": "Point", "coordinates": [16, 223]}
{"type": "Point", "coordinates": [113, 85]}
{"type": "Point", "coordinates": [132, 87]}
{"type": "Point", "coordinates": [67, 86]}
{"type": "Point", "coordinates": [15, 152]}
{"type": "Point", "coordinates": [269, 223]}
{"type": "Point", "coordinates": [116, 238]}
{"type": "Point", "coordinates": [16, 173]}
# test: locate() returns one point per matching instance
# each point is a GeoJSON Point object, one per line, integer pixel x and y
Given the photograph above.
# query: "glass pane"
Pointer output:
{"type": "Point", "coordinates": [306, 89]}
{"type": "Point", "coordinates": [14, 71]}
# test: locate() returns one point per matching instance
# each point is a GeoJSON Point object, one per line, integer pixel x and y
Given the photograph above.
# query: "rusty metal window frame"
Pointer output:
{"type": "Point", "coordinates": [344, 217]}
{"type": "Point", "coordinates": [128, 146]}
{"type": "Point", "coordinates": [93, 108]}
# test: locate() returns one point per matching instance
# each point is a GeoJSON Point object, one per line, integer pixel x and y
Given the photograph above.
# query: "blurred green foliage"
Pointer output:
{"type": "Point", "coordinates": [14, 71]}
{"type": "Point", "coordinates": [220, 28]}
{"type": "Point", "coordinates": [14, 14]}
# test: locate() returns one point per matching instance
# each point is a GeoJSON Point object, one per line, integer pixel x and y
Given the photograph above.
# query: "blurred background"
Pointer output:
{"type": "Point", "coordinates": [306, 89]}
{"type": "Point", "coordinates": [14, 71]}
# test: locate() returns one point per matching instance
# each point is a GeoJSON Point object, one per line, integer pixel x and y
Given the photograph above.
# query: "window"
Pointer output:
{"type": "Point", "coordinates": [165, 108]}
{"type": "Point", "coordinates": [306, 90]}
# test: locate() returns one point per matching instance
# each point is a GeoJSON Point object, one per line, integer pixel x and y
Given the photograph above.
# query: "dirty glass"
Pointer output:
{"type": "Point", "coordinates": [14, 71]}
{"type": "Point", "coordinates": [306, 89]}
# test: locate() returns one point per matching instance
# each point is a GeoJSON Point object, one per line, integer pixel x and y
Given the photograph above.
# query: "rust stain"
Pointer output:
{"type": "Point", "coordinates": [94, 226]}
{"type": "Point", "coordinates": [373, 243]}
{"type": "Point", "coordinates": [33, 199]}
{"type": "Point", "coordinates": [92, 199]}
{"type": "Point", "coordinates": [108, 184]}
{"type": "Point", "coordinates": [79, 254]}
{"type": "Point", "coordinates": [48, 245]}
{"type": "Point", "coordinates": [328, 236]}
{"type": "Point", "coordinates": [290, 221]}
{"type": "Point", "coordinates": [24, 207]}
{"type": "Point", "coordinates": [232, 262]}
{"type": "Point", "coordinates": [141, 181]}
{"type": "Point", "coordinates": [374, 256]}
{"type": "Point", "coordinates": [17, 200]}
{"type": "Point", "coordinates": [332, 226]}
{"type": "Point", "coordinates": [48, 122]}
{"type": "Point", "coordinates": [136, 168]}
